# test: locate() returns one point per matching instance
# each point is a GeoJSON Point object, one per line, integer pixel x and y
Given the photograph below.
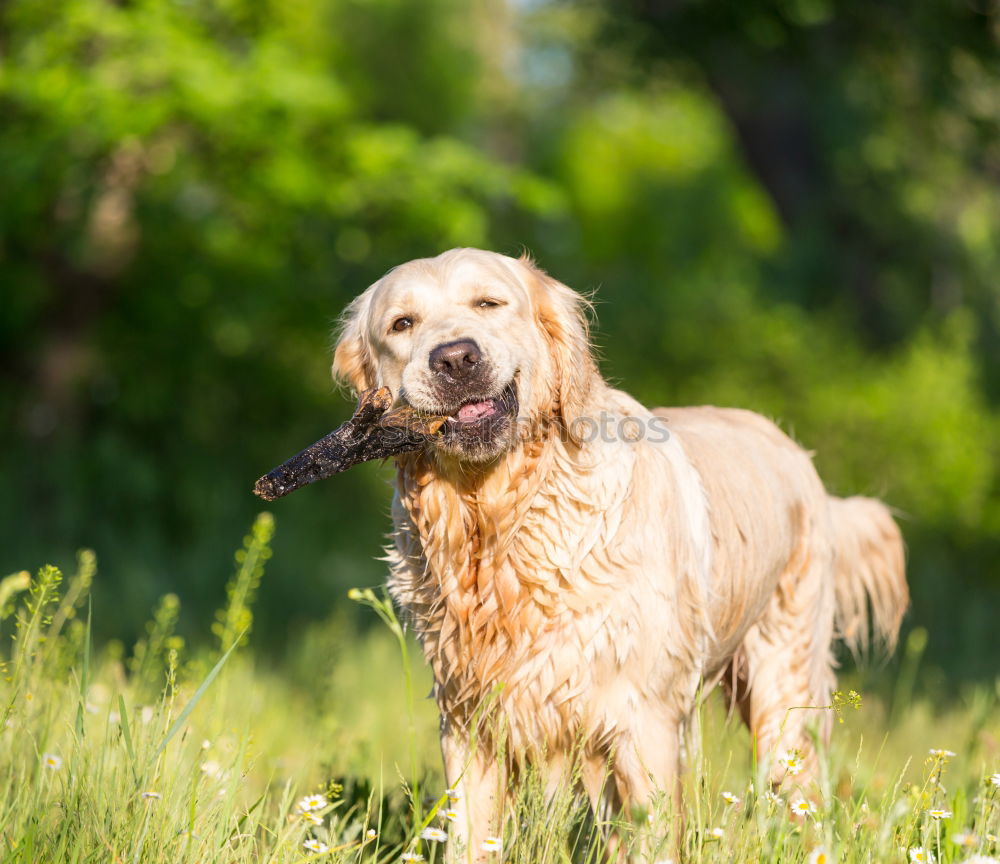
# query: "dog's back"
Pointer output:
{"type": "Point", "coordinates": [793, 568]}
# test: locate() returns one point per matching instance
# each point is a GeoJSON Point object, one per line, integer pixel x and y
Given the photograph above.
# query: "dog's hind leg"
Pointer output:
{"type": "Point", "coordinates": [789, 667]}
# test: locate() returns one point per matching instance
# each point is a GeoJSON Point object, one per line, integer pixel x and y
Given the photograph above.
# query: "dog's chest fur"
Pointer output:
{"type": "Point", "coordinates": [527, 578]}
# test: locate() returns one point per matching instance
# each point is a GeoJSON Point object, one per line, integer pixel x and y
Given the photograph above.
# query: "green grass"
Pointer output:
{"type": "Point", "coordinates": [147, 755]}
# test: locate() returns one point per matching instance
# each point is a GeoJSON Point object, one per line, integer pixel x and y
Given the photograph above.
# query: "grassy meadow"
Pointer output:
{"type": "Point", "coordinates": [787, 206]}
{"type": "Point", "coordinates": [158, 753]}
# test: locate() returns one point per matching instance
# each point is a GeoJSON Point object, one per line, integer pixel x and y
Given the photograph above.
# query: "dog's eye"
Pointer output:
{"type": "Point", "coordinates": [402, 323]}
{"type": "Point", "coordinates": [486, 303]}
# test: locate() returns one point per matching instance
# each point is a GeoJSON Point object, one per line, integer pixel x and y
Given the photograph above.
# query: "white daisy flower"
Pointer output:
{"type": "Point", "coordinates": [370, 834]}
{"type": "Point", "coordinates": [314, 845]}
{"type": "Point", "coordinates": [453, 794]}
{"type": "Point", "coordinates": [153, 795]}
{"type": "Point", "coordinates": [411, 856]}
{"type": "Point", "coordinates": [492, 844]}
{"type": "Point", "coordinates": [818, 856]}
{"type": "Point", "coordinates": [792, 761]}
{"type": "Point", "coordinates": [730, 798]}
{"type": "Point", "coordinates": [211, 768]}
{"type": "Point", "coordinates": [450, 815]}
{"type": "Point", "coordinates": [803, 807]}
{"type": "Point", "coordinates": [939, 813]}
{"type": "Point", "coordinates": [51, 760]}
{"type": "Point", "coordinates": [941, 754]}
{"type": "Point", "coordinates": [716, 834]}
{"type": "Point", "coordinates": [964, 838]}
{"type": "Point", "coordinates": [312, 802]}
{"type": "Point", "coordinates": [994, 779]}
{"type": "Point", "coordinates": [434, 834]}
{"type": "Point", "coordinates": [920, 855]}
{"type": "Point", "coordinates": [770, 797]}
{"type": "Point", "coordinates": [311, 818]}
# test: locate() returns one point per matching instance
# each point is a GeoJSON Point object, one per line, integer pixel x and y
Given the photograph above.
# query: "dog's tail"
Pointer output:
{"type": "Point", "coordinates": [870, 571]}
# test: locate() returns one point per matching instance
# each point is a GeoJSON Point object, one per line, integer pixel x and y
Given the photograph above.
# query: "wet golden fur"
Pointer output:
{"type": "Point", "coordinates": [586, 590]}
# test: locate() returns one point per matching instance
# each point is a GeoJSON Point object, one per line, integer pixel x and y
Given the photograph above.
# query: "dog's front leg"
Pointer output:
{"type": "Point", "coordinates": [647, 779]}
{"type": "Point", "coordinates": [479, 782]}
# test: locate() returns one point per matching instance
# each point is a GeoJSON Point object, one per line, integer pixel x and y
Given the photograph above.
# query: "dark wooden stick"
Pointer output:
{"type": "Point", "coordinates": [373, 432]}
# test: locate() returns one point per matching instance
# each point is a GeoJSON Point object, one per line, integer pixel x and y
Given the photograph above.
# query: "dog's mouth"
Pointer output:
{"type": "Point", "coordinates": [481, 412]}
{"type": "Point", "coordinates": [481, 428]}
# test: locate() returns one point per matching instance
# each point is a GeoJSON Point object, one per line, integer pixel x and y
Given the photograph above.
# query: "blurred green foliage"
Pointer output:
{"type": "Point", "coordinates": [788, 206]}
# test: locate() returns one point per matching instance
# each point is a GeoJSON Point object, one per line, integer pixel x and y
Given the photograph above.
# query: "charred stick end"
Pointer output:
{"type": "Point", "coordinates": [268, 488]}
{"type": "Point", "coordinates": [371, 433]}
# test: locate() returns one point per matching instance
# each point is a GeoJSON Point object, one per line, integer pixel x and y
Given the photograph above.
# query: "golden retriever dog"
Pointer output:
{"type": "Point", "coordinates": [578, 568]}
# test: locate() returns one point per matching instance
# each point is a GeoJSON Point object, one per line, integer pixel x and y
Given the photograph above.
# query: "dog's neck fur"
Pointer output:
{"type": "Point", "coordinates": [472, 583]}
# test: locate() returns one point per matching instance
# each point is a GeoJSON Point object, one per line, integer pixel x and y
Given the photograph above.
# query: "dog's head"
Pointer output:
{"type": "Point", "coordinates": [490, 341]}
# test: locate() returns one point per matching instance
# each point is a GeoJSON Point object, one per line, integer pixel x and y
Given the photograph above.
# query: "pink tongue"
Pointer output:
{"type": "Point", "coordinates": [475, 411]}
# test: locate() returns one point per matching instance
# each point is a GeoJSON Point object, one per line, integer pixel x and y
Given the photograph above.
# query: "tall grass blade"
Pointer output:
{"type": "Point", "coordinates": [85, 672]}
{"type": "Point", "coordinates": [179, 722]}
{"type": "Point", "coordinates": [127, 735]}
{"type": "Point", "coordinates": [906, 680]}
{"type": "Point", "coordinates": [249, 812]}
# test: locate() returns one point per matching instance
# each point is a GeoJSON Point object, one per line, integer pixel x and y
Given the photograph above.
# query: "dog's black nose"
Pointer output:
{"type": "Point", "coordinates": [456, 360]}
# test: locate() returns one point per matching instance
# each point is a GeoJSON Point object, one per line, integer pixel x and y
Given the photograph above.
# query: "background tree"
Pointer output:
{"type": "Point", "coordinates": [789, 206]}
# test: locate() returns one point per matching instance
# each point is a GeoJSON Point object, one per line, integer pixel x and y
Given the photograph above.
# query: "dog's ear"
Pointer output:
{"type": "Point", "coordinates": [352, 356]}
{"type": "Point", "coordinates": [562, 316]}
